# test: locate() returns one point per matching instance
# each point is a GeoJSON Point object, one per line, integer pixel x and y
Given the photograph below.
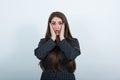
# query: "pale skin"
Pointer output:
{"type": "Point", "coordinates": [57, 28]}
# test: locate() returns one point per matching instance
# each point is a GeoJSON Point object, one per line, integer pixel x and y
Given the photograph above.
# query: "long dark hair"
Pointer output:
{"type": "Point", "coordinates": [55, 55]}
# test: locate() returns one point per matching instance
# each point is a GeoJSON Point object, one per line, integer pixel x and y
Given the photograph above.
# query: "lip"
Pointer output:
{"type": "Point", "coordinates": [57, 31]}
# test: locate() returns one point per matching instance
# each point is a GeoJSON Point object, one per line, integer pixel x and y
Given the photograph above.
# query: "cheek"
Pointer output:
{"type": "Point", "coordinates": [53, 27]}
{"type": "Point", "coordinates": [60, 27]}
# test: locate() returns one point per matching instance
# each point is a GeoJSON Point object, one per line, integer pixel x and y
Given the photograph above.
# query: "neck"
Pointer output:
{"type": "Point", "coordinates": [57, 40]}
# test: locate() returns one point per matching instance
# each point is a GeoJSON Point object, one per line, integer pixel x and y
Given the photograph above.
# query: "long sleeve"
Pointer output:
{"type": "Point", "coordinates": [44, 48]}
{"type": "Point", "coordinates": [70, 51]}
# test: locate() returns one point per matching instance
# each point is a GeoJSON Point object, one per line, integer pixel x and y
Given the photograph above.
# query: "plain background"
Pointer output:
{"type": "Point", "coordinates": [96, 24]}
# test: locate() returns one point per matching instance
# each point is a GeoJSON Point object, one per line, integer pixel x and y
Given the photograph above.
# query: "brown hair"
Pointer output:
{"type": "Point", "coordinates": [55, 56]}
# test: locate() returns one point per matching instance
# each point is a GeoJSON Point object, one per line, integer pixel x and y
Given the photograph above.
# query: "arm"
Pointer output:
{"type": "Point", "coordinates": [44, 48]}
{"type": "Point", "coordinates": [70, 51]}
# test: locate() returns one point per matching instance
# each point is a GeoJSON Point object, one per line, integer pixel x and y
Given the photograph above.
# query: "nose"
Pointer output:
{"type": "Point", "coordinates": [57, 26]}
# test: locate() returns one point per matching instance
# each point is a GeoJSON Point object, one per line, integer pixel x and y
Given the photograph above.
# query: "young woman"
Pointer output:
{"type": "Point", "coordinates": [58, 50]}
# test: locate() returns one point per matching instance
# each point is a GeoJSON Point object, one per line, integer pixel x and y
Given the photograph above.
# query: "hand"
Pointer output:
{"type": "Point", "coordinates": [62, 32]}
{"type": "Point", "coordinates": [53, 35]}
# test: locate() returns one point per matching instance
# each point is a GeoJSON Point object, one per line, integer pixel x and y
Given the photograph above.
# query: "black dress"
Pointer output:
{"type": "Point", "coordinates": [42, 52]}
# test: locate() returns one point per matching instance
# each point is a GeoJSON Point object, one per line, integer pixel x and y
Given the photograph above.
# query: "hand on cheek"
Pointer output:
{"type": "Point", "coordinates": [62, 32]}
{"type": "Point", "coordinates": [53, 35]}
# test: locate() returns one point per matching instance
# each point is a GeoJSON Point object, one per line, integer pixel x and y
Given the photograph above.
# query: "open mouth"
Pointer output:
{"type": "Point", "coordinates": [57, 31]}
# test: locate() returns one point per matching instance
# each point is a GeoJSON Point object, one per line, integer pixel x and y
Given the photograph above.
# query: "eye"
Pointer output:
{"type": "Point", "coordinates": [60, 23]}
{"type": "Point", "coordinates": [53, 23]}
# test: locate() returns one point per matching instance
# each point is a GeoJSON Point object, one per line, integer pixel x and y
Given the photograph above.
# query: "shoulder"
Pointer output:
{"type": "Point", "coordinates": [75, 39]}
{"type": "Point", "coordinates": [42, 40]}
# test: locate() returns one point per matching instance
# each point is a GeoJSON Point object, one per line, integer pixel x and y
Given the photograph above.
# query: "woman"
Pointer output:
{"type": "Point", "coordinates": [58, 50]}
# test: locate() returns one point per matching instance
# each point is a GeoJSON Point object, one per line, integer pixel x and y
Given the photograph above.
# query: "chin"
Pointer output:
{"type": "Point", "coordinates": [57, 34]}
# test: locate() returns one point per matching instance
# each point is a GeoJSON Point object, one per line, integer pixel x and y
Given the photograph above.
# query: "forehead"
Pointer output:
{"type": "Point", "coordinates": [56, 19]}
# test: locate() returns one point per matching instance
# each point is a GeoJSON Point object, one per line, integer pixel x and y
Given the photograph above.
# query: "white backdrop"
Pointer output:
{"type": "Point", "coordinates": [96, 24]}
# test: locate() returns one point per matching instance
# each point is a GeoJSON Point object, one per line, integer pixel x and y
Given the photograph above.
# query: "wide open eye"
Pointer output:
{"type": "Point", "coordinates": [53, 23]}
{"type": "Point", "coordinates": [60, 23]}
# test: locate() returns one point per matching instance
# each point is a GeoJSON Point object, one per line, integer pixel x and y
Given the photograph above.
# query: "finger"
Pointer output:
{"type": "Point", "coordinates": [51, 27]}
{"type": "Point", "coordinates": [63, 27]}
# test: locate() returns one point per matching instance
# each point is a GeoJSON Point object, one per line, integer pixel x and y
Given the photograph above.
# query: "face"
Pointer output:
{"type": "Point", "coordinates": [57, 24]}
